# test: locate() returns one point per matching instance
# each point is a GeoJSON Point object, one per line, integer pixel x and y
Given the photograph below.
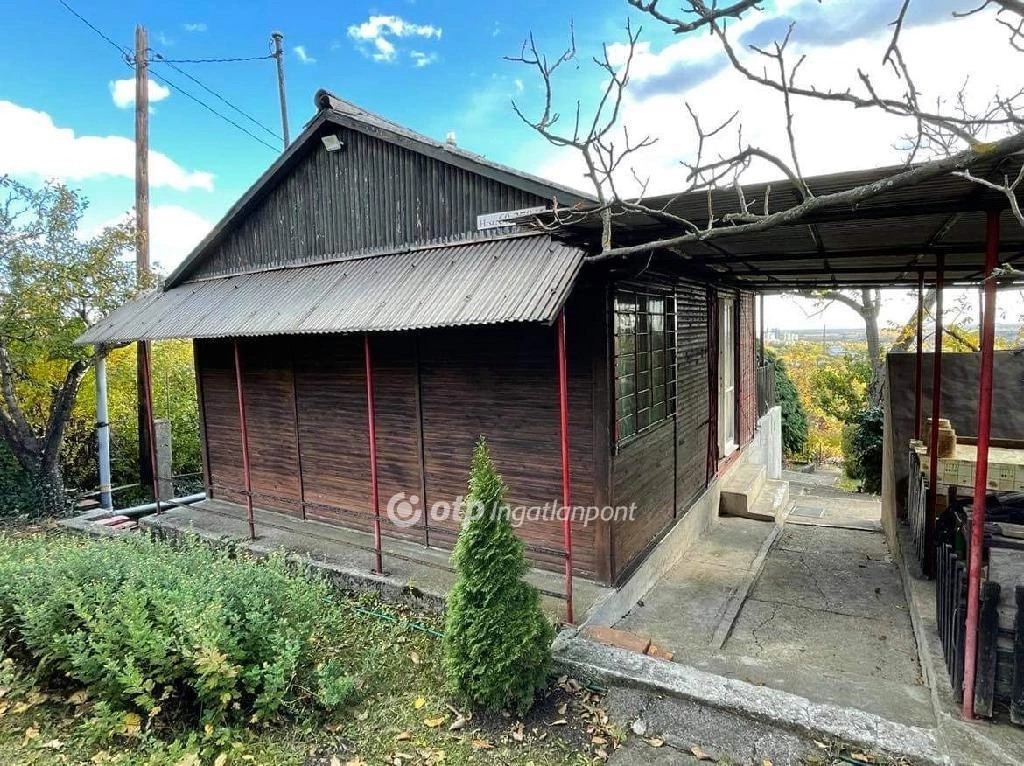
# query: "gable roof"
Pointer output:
{"type": "Point", "coordinates": [333, 111]}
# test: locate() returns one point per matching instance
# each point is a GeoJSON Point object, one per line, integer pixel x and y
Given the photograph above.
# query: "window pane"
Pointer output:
{"type": "Point", "coordinates": [643, 400]}
{"type": "Point", "coordinates": [627, 385]}
{"type": "Point", "coordinates": [643, 419]}
{"type": "Point", "coordinates": [656, 306]}
{"type": "Point", "coordinates": [658, 412]}
{"type": "Point", "coordinates": [627, 427]}
{"type": "Point", "coordinates": [624, 365]}
{"type": "Point", "coordinates": [658, 377]}
{"type": "Point", "coordinates": [643, 381]}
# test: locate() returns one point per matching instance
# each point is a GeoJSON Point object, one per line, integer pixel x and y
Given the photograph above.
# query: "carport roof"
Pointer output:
{"type": "Point", "coordinates": [883, 241]}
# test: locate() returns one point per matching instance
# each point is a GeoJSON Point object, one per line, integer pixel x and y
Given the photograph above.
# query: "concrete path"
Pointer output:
{"type": "Point", "coordinates": [816, 609]}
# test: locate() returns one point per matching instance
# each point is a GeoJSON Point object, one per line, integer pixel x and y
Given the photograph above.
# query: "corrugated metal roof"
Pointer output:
{"type": "Point", "coordinates": [510, 279]}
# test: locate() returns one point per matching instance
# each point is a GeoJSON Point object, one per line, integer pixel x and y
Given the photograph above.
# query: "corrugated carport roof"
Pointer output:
{"type": "Point", "coordinates": [883, 241]}
{"type": "Point", "coordinates": [508, 279]}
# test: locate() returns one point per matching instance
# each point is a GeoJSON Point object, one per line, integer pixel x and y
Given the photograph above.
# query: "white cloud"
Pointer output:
{"type": "Point", "coordinates": [830, 137]}
{"type": "Point", "coordinates": [305, 58]}
{"type": "Point", "coordinates": [375, 37]}
{"type": "Point", "coordinates": [421, 59]}
{"type": "Point", "coordinates": [199, 26]}
{"type": "Point", "coordinates": [31, 145]}
{"type": "Point", "coordinates": [123, 92]}
{"type": "Point", "coordinates": [174, 232]}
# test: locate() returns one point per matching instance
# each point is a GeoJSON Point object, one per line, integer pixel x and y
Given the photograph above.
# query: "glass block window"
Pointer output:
{"type": "Point", "coordinates": [645, 365]}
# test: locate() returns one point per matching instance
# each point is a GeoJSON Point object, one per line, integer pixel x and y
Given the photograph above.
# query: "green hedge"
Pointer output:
{"type": "Point", "coordinates": [183, 633]}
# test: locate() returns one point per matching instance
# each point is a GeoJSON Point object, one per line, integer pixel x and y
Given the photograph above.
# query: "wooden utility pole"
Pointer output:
{"type": "Point", "coordinates": [142, 268]}
{"type": "Point", "coordinates": [277, 38]}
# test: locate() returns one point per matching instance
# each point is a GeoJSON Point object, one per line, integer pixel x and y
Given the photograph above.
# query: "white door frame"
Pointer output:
{"type": "Point", "coordinates": [727, 442]}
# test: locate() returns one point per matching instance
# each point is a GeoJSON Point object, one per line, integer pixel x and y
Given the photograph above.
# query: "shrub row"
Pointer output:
{"type": "Point", "coordinates": [184, 632]}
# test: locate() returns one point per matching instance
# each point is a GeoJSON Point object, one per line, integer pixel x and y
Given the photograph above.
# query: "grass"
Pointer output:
{"type": "Point", "coordinates": [401, 715]}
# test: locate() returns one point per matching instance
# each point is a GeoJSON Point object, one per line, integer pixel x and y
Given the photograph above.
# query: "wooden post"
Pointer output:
{"type": "Point", "coordinates": [977, 541]}
{"type": "Point", "coordinates": [277, 38]}
{"type": "Point", "coordinates": [142, 240]}
{"type": "Point", "coordinates": [933, 441]}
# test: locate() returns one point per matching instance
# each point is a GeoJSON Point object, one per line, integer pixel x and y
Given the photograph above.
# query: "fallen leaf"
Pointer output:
{"type": "Point", "coordinates": [403, 736]}
{"type": "Point", "coordinates": [363, 715]}
{"type": "Point", "coordinates": [517, 732]}
{"type": "Point", "coordinates": [420, 702]}
{"type": "Point", "coordinates": [562, 708]}
{"type": "Point", "coordinates": [414, 657]}
{"type": "Point", "coordinates": [220, 760]}
{"type": "Point", "coordinates": [54, 744]}
{"type": "Point", "coordinates": [31, 733]}
{"type": "Point", "coordinates": [357, 761]}
{"type": "Point", "coordinates": [335, 761]}
{"type": "Point", "coordinates": [598, 741]}
{"type": "Point", "coordinates": [699, 754]}
{"type": "Point", "coordinates": [766, 762]}
{"type": "Point", "coordinates": [132, 724]}
{"type": "Point", "coordinates": [79, 697]}
{"type": "Point", "coordinates": [482, 744]}
{"type": "Point", "coordinates": [458, 723]}
{"type": "Point", "coordinates": [601, 753]}
{"type": "Point", "coordinates": [433, 723]}
{"type": "Point", "coordinates": [658, 742]}
{"type": "Point", "coordinates": [559, 722]}
{"type": "Point", "coordinates": [860, 757]}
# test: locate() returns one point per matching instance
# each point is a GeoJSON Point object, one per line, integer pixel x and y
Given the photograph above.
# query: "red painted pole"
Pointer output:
{"type": "Point", "coordinates": [988, 335]}
{"type": "Point", "coordinates": [933, 440]}
{"type": "Point", "coordinates": [919, 357]}
{"type": "Point", "coordinates": [563, 406]}
{"type": "Point", "coordinates": [146, 367]}
{"type": "Point", "coordinates": [374, 489]}
{"type": "Point", "coordinates": [245, 443]}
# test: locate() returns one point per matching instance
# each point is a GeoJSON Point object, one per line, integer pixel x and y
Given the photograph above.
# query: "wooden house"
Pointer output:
{"type": "Point", "coordinates": [363, 314]}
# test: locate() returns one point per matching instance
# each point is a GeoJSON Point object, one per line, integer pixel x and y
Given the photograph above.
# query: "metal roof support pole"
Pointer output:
{"type": "Point", "coordinates": [988, 335]}
{"type": "Point", "coordinates": [103, 431]}
{"type": "Point", "coordinates": [919, 357]}
{"type": "Point", "coordinates": [933, 436]}
{"type": "Point", "coordinates": [760, 320]}
{"type": "Point", "coordinates": [146, 368]}
{"type": "Point", "coordinates": [378, 563]}
{"type": "Point", "coordinates": [563, 407]}
{"type": "Point", "coordinates": [244, 431]}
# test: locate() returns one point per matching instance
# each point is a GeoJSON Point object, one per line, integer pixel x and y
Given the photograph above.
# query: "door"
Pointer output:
{"type": "Point", "coordinates": [726, 375]}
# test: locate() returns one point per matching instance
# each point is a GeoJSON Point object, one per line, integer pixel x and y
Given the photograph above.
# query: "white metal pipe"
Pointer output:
{"type": "Point", "coordinates": [103, 433]}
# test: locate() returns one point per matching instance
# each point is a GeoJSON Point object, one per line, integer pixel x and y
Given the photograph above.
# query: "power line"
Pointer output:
{"type": "Point", "coordinates": [210, 109]}
{"type": "Point", "coordinates": [121, 49]}
{"type": "Point", "coordinates": [129, 60]}
{"type": "Point", "coordinates": [217, 61]}
{"type": "Point", "coordinates": [215, 94]}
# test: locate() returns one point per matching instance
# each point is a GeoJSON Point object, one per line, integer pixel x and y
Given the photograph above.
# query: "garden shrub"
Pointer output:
{"type": "Point", "coordinates": [497, 641]}
{"type": "Point", "coordinates": [862, 448]}
{"type": "Point", "coordinates": [794, 417]}
{"type": "Point", "coordinates": [165, 632]}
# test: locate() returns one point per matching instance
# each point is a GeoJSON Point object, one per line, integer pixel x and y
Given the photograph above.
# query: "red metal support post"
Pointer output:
{"type": "Point", "coordinates": [919, 357]}
{"type": "Point", "coordinates": [988, 335]}
{"type": "Point", "coordinates": [933, 436]}
{"type": "Point", "coordinates": [372, 427]}
{"type": "Point", "coordinates": [563, 406]}
{"type": "Point", "coordinates": [146, 368]}
{"type": "Point", "coordinates": [245, 443]}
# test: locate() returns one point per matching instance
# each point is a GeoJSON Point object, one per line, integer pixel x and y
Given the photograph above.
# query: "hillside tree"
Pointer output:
{"type": "Point", "coordinates": [55, 282]}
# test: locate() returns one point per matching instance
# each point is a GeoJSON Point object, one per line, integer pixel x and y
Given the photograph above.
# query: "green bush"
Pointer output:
{"type": "Point", "coordinates": [862, 449]}
{"type": "Point", "coordinates": [17, 494]}
{"type": "Point", "coordinates": [794, 417]}
{"type": "Point", "coordinates": [166, 632]}
{"type": "Point", "coordinates": [497, 641]}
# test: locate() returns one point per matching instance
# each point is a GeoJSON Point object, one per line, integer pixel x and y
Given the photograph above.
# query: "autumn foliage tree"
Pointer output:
{"type": "Point", "coordinates": [55, 281]}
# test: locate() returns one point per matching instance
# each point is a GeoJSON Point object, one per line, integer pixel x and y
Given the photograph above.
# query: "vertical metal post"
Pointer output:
{"type": "Point", "coordinates": [563, 407]}
{"type": "Point", "coordinates": [372, 428]}
{"type": "Point", "coordinates": [988, 335]}
{"type": "Point", "coordinates": [103, 431]}
{"type": "Point", "coordinates": [245, 443]}
{"type": "Point", "coordinates": [147, 413]}
{"type": "Point", "coordinates": [277, 38]}
{"type": "Point", "coordinates": [919, 357]}
{"type": "Point", "coordinates": [933, 436]}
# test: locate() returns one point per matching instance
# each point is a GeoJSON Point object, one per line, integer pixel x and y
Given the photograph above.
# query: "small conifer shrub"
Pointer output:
{"type": "Point", "coordinates": [497, 644]}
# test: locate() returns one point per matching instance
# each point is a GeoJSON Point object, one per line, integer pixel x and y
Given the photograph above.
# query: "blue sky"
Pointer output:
{"type": "Point", "coordinates": [437, 67]}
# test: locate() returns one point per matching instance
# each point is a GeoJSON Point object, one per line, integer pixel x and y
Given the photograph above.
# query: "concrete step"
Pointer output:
{"type": "Point", "coordinates": [741, 490]}
{"type": "Point", "coordinates": [774, 503]}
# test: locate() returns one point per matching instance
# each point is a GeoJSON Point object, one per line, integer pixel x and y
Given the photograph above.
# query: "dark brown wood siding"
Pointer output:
{"type": "Point", "coordinates": [500, 382]}
{"type": "Point", "coordinates": [373, 194]}
{"type": "Point", "coordinates": [692, 407]}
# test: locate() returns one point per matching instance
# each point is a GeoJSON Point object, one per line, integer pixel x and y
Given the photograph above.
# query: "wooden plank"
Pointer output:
{"type": "Point", "coordinates": [203, 442]}
{"type": "Point", "coordinates": [1017, 697]}
{"type": "Point", "coordinates": [988, 632]}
